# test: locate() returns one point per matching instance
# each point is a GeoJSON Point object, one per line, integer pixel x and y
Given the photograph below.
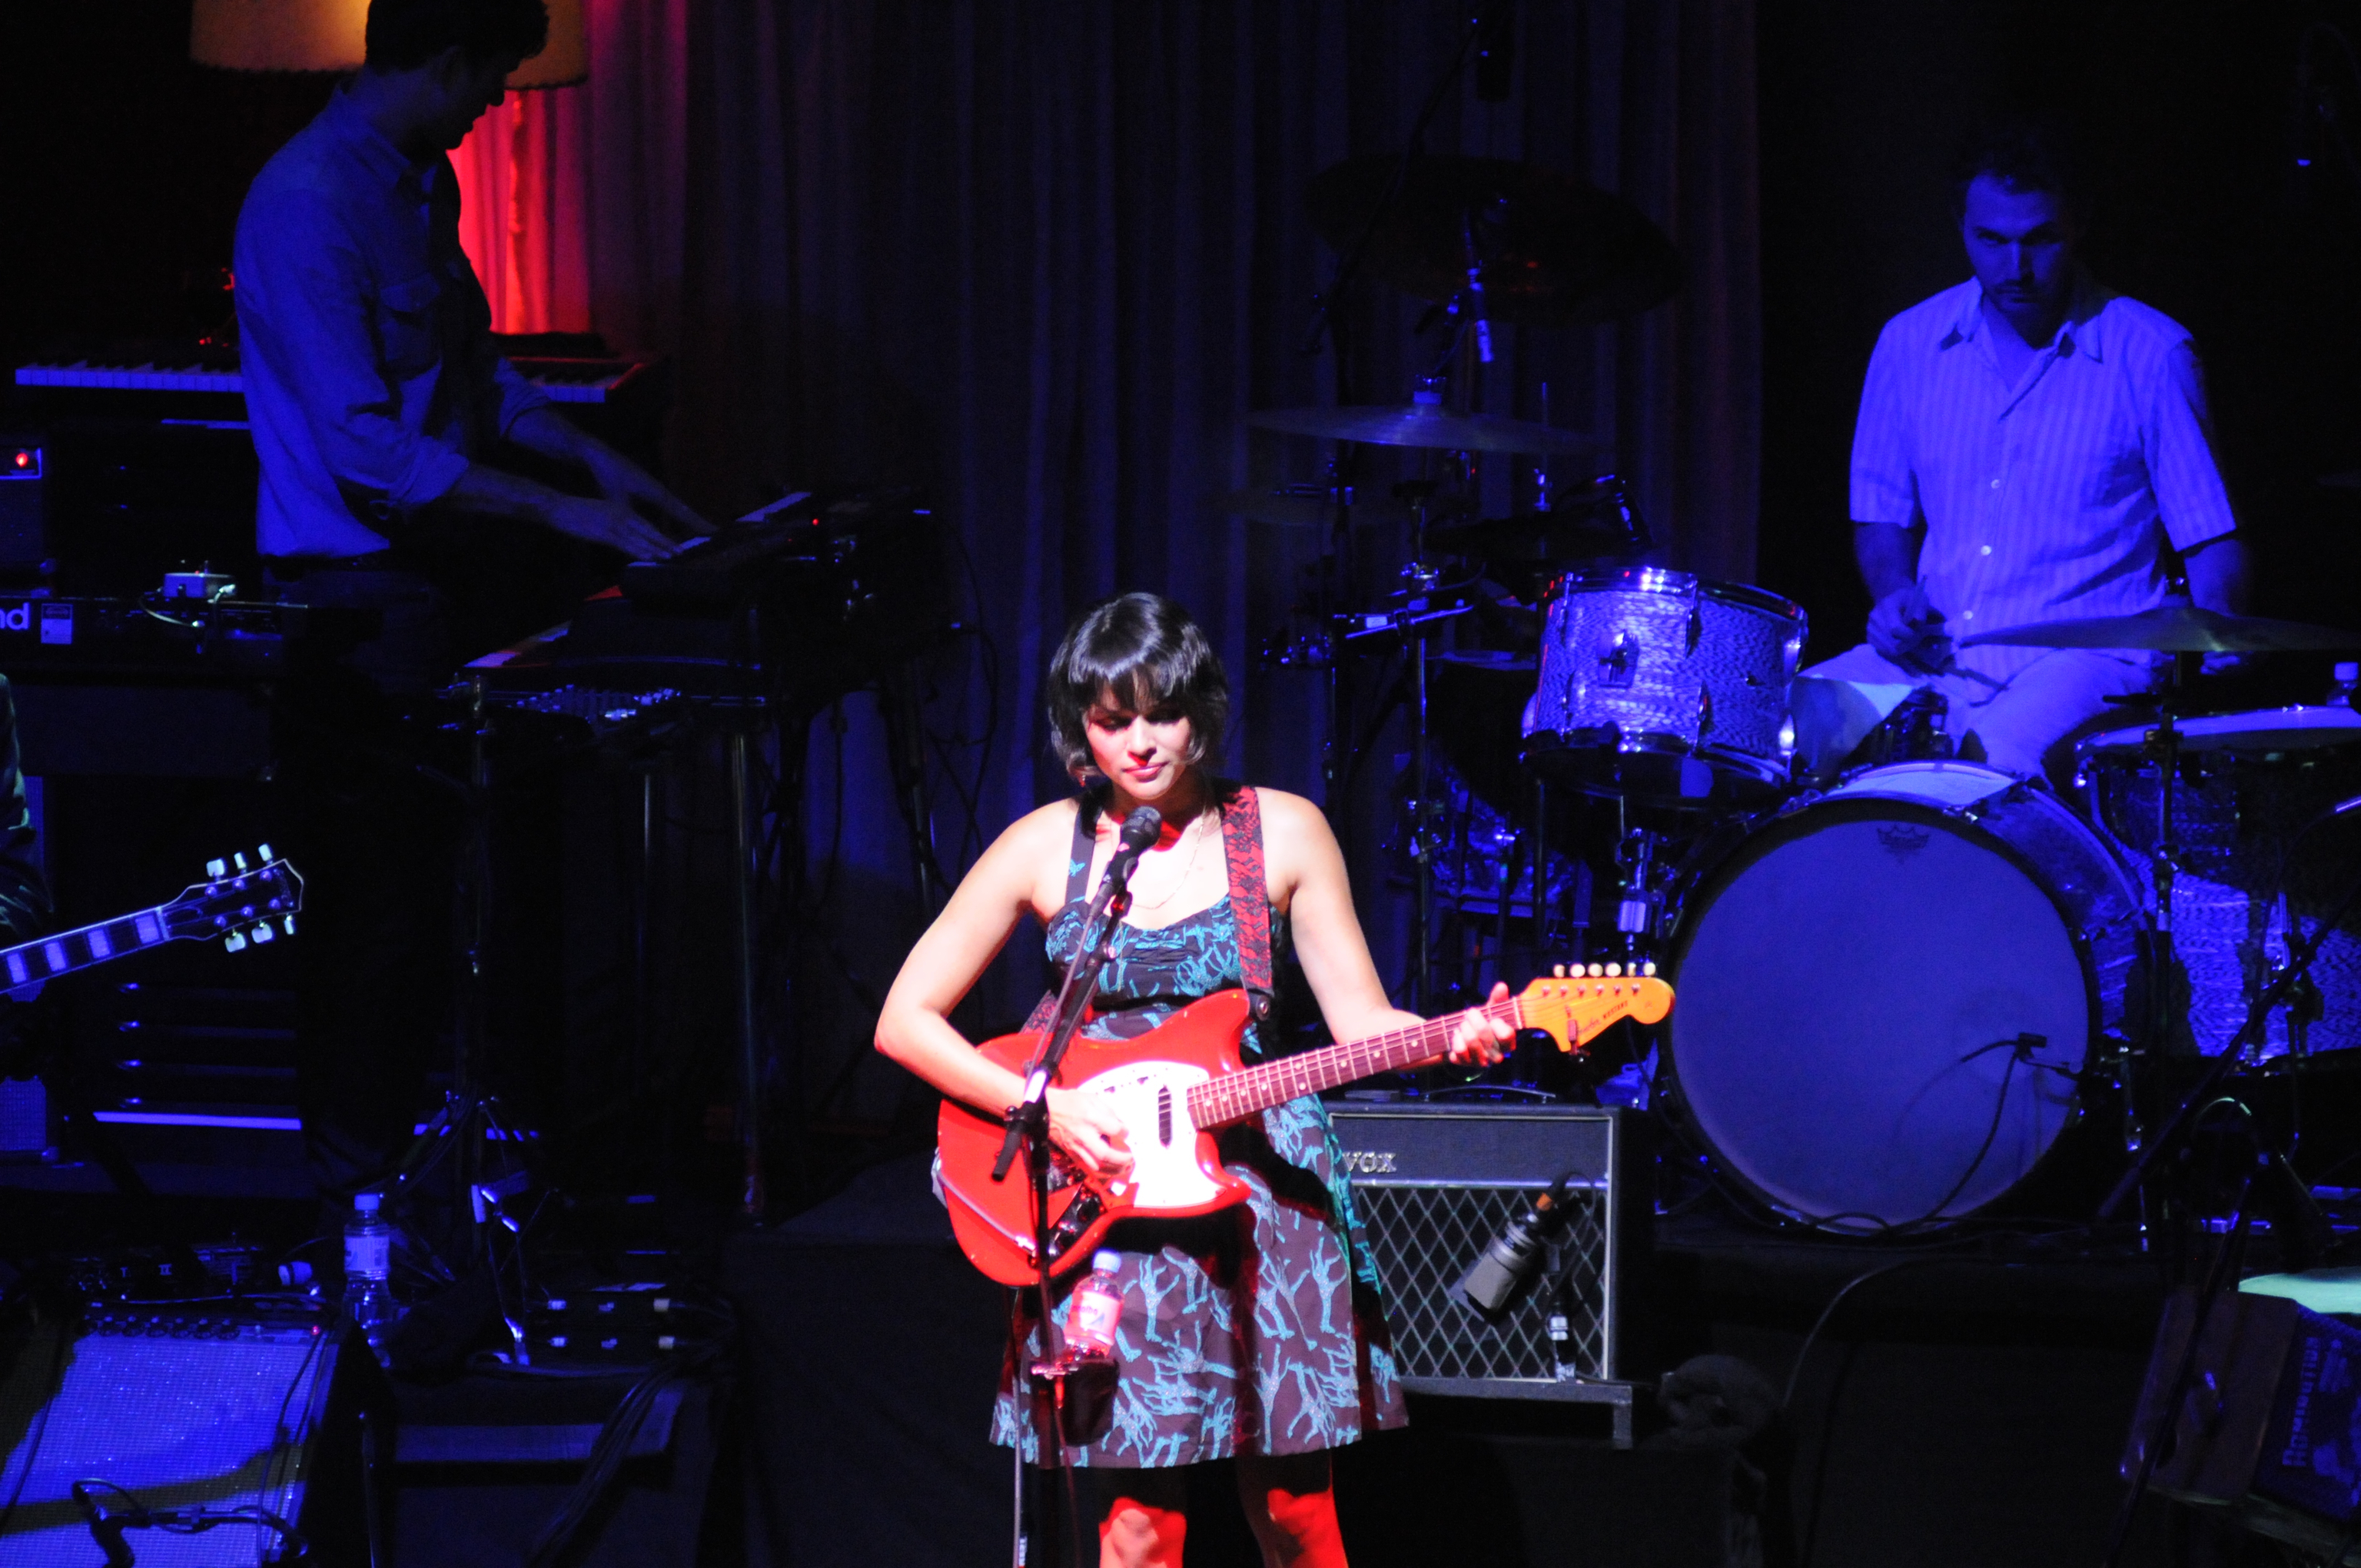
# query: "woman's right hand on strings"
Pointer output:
{"type": "Point", "coordinates": [1087, 1129]}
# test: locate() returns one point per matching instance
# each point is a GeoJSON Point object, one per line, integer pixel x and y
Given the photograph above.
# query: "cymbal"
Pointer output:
{"type": "Point", "coordinates": [2175, 629]}
{"type": "Point", "coordinates": [1556, 252]}
{"type": "Point", "coordinates": [1422, 424]}
{"type": "Point", "coordinates": [1312, 506]}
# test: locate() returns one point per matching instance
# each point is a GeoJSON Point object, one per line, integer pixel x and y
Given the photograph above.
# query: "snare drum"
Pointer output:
{"type": "Point", "coordinates": [2248, 783]}
{"type": "Point", "coordinates": [1886, 996]}
{"type": "Point", "coordinates": [1665, 688]}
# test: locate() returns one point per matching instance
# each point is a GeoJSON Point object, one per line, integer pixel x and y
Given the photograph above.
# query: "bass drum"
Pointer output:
{"type": "Point", "coordinates": [1885, 995]}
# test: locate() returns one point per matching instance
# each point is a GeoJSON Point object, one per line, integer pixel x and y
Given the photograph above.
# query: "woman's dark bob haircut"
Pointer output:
{"type": "Point", "coordinates": [1145, 650]}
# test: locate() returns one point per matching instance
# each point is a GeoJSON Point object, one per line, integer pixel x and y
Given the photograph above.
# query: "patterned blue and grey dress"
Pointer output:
{"type": "Point", "coordinates": [1257, 1328]}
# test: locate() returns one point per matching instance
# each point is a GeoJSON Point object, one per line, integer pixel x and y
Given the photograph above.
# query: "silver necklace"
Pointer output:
{"type": "Point", "coordinates": [1186, 870]}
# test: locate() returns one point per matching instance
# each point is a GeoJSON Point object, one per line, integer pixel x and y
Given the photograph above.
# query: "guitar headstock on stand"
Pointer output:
{"type": "Point", "coordinates": [247, 901]}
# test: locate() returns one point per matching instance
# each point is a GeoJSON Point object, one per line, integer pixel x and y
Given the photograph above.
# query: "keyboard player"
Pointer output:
{"type": "Point", "coordinates": [377, 401]}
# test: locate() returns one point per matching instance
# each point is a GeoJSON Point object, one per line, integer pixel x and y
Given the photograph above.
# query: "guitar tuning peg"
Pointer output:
{"type": "Point", "coordinates": [238, 859]}
{"type": "Point", "coordinates": [1558, 970]}
{"type": "Point", "coordinates": [1596, 970]}
{"type": "Point", "coordinates": [262, 933]}
{"type": "Point", "coordinates": [262, 852]}
{"type": "Point", "coordinates": [216, 868]}
{"type": "Point", "coordinates": [288, 925]}
{"type": "Point", "coordinates": [1649, 968]}
{"type": "Point", "coordinates": [235, 942]}
{"type": "Point", "coordinates": [1614, 971]}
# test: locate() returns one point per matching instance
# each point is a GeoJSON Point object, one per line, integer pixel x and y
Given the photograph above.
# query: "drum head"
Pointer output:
{"type": "Point", "coordinates": [1846, 982]}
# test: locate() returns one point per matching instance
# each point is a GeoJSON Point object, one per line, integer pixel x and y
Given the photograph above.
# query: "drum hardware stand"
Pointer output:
{"type": "Point", "coordinates": [1640, 909]}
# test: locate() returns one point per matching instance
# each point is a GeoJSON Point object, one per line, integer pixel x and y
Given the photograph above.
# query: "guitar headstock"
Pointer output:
{"type": "Point", "coordinates": [247, 901]}
{"type": "Point", "coordinates": [1578, 1002]}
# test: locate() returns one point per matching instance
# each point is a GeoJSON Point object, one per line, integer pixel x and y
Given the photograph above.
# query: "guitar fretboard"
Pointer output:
{"type": "Point", "coordinates": [70, 950]}
{"type": "Point", "coordinates": [1258, 1089]}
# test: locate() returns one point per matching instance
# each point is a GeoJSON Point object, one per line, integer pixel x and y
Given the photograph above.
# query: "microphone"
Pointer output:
{"type": "Point", "coordinates": [1495, 50]}
{"type": "Point", "coordinates": [1139, 831]}
{"type": "Point", "coordinates": [1500, 1278]}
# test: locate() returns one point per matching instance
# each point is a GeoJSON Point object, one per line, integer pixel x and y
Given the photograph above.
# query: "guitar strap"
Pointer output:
{"type": "Point", "coordinates": [1249, 897]}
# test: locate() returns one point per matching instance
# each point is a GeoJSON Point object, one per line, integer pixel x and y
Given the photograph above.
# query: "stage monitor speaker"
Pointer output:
{"type": "Point", "coordinates": [1436, 1183]}
{"type": "Point", "coordinates": [185, 1407]}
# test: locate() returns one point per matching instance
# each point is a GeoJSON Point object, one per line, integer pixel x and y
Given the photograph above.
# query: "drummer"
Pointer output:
{"type": "Point", "coordinates": [2031, 446]}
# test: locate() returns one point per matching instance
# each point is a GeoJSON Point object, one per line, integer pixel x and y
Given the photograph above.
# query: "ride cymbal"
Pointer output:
{"type": "Point", "coordinates": [1422, 424]}
{"type": "Point", "coordinates": [2175, 629]}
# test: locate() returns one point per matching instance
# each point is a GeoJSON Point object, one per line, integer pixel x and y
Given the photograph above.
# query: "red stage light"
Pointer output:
{"type": "Point", "coordinates": [23, 459]}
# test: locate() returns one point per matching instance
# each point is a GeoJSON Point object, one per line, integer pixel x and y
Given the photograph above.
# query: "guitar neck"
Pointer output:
{"type": "Point", "coordinates": [1258, 1089]}
{"type": "Point", "coordinates": [63, 952]}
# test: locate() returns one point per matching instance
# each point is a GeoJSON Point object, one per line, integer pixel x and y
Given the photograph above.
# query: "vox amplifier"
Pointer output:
{"type": "Point", "coordinates": [1434, 1183]}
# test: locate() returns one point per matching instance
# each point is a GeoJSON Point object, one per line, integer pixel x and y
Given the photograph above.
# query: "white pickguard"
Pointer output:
{"type": "Point", "coordinates": [1152, 1098]}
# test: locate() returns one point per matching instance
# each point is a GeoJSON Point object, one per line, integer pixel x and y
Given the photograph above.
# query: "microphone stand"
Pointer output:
{"type": "Point", "coordinates": [1027, 1123]}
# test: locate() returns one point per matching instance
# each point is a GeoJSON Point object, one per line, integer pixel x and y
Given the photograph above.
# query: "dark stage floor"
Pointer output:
{"type": "Point", "coordinates": [1966, 1407]}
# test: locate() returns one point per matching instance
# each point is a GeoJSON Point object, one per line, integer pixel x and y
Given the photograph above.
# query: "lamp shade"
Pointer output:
{"type": "Point", "coordinates": [329, 34]}
{"type": "Point", "coordinates": [278, 34]}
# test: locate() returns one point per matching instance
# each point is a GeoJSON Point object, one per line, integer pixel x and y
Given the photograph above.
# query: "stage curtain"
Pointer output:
{"type": "Point", "coordinates": [524, 215]}
{"type": "Point", "coordinates": [1042, 258]}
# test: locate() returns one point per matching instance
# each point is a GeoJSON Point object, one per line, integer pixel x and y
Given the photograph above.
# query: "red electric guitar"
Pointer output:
{"type": "Point", "coordinates": [1176, 1083]}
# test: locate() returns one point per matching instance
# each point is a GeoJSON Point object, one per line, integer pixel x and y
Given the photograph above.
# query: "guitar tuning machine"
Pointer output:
{"type": "Point", "coordinates": [235, 942]}
{"type": "Point", "coordinates": [216, 868]}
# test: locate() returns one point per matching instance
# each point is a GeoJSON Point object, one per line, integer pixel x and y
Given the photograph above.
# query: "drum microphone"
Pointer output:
{"type": "Point", "coordinates": [1500, 1278]}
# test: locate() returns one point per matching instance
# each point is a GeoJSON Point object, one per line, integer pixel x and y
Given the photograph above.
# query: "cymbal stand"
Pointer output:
{"type": "Point", "coordinates": [1335, 562]}
{"type": "Point", "coordinates": [1423, 579]}
{"type": "Point", "coordinates": [2162, 745]}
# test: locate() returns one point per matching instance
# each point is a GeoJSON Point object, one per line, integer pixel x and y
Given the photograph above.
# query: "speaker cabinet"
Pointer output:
{"type": "Point", "coordinates": [186, 1405]}
{"type": "Point", "coordinates": [1436, 1183]}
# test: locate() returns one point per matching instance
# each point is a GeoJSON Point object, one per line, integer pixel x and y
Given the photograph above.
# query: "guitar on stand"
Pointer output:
{"type": "Point", "coordinates": [1177, 1083]}
{"type": "Point", "coordinates": [242, 906]}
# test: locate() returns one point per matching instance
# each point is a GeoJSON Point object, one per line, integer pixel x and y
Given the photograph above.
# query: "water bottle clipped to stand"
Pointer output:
{"type": "Point", "coordinates": [1086, 1372]}
{"type": "Point", "coordinates": [368, 1273]}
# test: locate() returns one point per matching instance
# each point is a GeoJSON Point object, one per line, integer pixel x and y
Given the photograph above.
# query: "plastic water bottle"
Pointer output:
{"type": "Point", "coordinates": [1096, 1308]}
{"type": "Point", "coordinates": [368, 1272]}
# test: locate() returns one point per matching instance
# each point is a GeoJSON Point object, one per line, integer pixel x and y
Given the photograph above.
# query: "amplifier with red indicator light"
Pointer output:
{"type": "Point", "coordinates": [24, 505]}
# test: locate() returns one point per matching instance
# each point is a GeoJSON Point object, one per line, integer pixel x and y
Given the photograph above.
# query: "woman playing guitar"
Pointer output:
{"type": "Point", "coordinates": [1254, 1332]}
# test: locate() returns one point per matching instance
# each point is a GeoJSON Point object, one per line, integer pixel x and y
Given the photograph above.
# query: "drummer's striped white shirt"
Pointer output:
{"type": "Point", "coordinates": [2051, 497]}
